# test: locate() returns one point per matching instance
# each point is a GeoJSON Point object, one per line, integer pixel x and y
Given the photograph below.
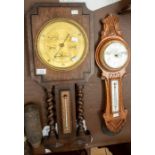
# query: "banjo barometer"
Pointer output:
{"type": "Point", "coordinates": [112, 57]}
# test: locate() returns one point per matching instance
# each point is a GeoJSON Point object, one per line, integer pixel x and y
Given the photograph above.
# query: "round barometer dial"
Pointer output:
{"type": "Point", "coordinates": [114, 54]}
{"type": "Point", "coordinates": [62, 44]}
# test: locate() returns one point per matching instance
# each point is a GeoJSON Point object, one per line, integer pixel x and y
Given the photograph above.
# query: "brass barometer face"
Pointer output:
{"type": "Point", "coordinates": [114, 55]}
{"type": "Point", "coordinates": [62, 44]}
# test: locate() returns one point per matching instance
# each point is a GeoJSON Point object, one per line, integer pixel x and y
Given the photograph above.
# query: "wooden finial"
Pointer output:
{"type": "Point", "coordinates": [111, 26]}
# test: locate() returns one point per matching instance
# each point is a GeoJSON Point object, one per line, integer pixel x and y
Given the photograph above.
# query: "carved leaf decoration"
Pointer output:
{"type": "Point", "coordinates": [111, 26]}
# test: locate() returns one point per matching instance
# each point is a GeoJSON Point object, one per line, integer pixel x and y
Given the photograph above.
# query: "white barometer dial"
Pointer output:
{"type": "Point", "coordinates": [115, 54]}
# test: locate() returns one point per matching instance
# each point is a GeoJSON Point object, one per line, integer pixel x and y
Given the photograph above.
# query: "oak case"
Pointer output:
{"type": "Point", "coordinates": [41, 14]}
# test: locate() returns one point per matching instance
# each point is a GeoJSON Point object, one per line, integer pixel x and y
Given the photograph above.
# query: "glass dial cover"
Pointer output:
{"type": "Point", "coordinates": [62, 44]}
{"type": "Point", "coordinates": [114, 54]}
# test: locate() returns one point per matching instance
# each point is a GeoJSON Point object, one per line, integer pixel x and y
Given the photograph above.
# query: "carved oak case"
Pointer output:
{"type": "Point", "coordinates": [112, 57]}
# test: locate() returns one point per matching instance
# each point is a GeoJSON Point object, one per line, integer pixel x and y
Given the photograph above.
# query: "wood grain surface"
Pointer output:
{"type": "Point", "coordinates": [94, 92]}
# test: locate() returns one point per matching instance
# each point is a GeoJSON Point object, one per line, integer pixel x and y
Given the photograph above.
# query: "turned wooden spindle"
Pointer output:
{"type": "Point", "coordinates": [51, 111]}
{"type": "Point", "coordinates": [80, 109]}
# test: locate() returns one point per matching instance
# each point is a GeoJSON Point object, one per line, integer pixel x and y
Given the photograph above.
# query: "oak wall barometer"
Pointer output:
{"type": "Point", "coordinates": [112, 57]}
{"type": "Point", "coordinates": [61, 59]}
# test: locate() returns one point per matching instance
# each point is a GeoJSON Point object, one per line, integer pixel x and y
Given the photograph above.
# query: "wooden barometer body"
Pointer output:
{"type": "Point", "coordinates": [60, 49]}
{"type": "Point", "coordinates": [112, 57]}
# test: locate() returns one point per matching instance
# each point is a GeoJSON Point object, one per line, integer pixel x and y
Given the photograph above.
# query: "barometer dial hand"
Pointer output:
{"type": "Point", "coordinates": [61, 45]}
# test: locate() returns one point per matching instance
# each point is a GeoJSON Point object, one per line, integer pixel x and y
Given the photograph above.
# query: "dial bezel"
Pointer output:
{"type": "Point", "coordinates": [85, 51]}
{"type": "Point", "coordinates": [101, 49]}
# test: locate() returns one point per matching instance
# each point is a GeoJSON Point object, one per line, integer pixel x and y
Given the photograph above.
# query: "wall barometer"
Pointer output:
{"type": "Point", "coordinates": [61, 60]}
{"type": "Point", "coordinates": [112, 57]}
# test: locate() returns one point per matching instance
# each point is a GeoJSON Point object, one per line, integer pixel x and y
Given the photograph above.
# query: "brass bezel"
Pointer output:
{"type": "Point", "coordinates": [85, 52]}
